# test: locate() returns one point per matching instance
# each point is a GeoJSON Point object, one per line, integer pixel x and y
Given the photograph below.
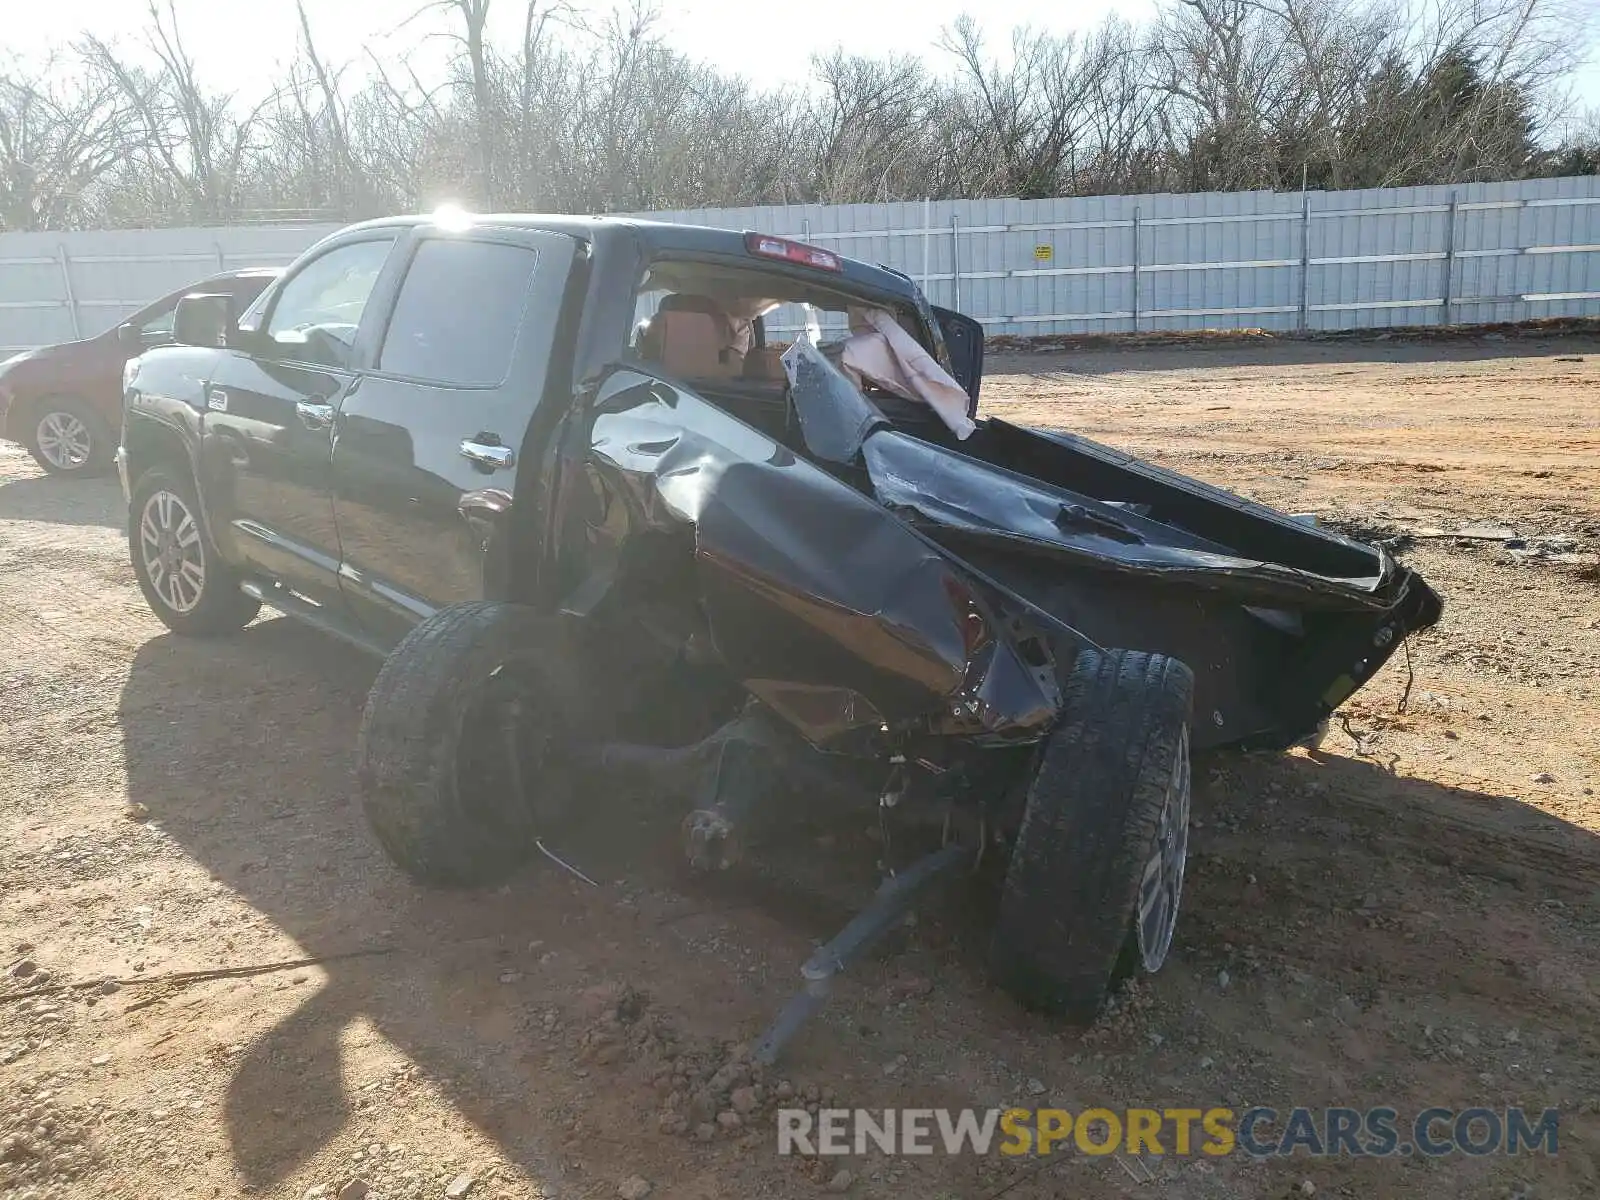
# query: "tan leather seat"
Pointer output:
{"type": "Point", "coordinates": [764, 363]}
{"type": "Point", "coordinates": [692, 337]}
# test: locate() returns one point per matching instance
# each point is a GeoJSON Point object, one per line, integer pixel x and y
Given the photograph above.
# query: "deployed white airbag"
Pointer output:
{"type": "Point", "coordinates": [883, 353]}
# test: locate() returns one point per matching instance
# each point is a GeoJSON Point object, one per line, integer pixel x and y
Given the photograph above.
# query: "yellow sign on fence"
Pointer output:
{"type": "Point", "coordinates": [1044, 253]}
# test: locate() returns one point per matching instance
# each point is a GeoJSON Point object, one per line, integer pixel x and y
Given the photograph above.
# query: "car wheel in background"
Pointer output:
{"type": "Point", "coordinates": [66, 437]}
{"type": "Point", "coordinates": [183, 578]}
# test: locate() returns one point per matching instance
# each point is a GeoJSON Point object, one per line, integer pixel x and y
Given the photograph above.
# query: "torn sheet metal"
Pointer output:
{"type": "Point", "coordinates": [819, 600]}
{"type": "Point", "coordinates": [855, 576]}
{"type": "Point", "coordinates": [957, 492]}
{"type": "Point", "coordinates": [835, 418]}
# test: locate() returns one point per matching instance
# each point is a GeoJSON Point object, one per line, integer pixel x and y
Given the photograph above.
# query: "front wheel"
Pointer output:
{"type": "Point", "coordinates": [67, 437]}
{"type": "Point", "coordinates": [1096, 873]}
{"type": "Point", "coordinates": [183, 578]}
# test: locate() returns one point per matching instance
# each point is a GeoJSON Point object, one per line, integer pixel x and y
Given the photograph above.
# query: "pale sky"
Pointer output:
{"type": "Point", "coordinates": [237, 44]}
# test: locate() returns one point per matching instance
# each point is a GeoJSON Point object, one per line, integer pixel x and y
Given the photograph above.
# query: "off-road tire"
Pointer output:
{"type": "Point", "coordinates": [102, 441]}
{"type": "Point", "coordinates": [437, 781]}
{"type": "Point", "coordinates": [221, 608]}
{"type": "Point", "coordinates": [1065, 935]}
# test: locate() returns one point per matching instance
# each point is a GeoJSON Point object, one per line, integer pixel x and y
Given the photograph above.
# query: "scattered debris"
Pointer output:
{"type": "Point", "coordinates": [177, 979]}
{"type": "Point", "coordinates": [459, 1186]}
{"type": "Point", "coordinates": [634, 1187]}
{"type": "Point", "coordinates": [745, 1100]}
{"type": "Point", "coordinates": [910, 987]}
{"type": "Point", "coordinates": [1468, 533]}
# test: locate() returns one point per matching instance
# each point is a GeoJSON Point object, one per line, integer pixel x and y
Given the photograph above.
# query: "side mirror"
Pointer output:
{"type": "Point", "coordinates": [203, 319]}
{"type": "Point", "coordinates": [129, 338]}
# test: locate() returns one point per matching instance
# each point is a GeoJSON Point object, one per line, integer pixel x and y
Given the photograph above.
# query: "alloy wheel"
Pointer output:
{"type": "Point", "coordinates": [64, 440]}
{"type": "Point", "coordinates": [170, 547]}
{"type": "Point", "coordinates": [1161, 884]}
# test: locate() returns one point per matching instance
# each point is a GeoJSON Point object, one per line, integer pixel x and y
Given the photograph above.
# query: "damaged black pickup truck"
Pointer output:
{"type": "Point", "coordinates": [713, 516]}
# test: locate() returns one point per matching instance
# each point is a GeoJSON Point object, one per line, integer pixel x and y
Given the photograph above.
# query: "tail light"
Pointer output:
{"type": "Point", "coordinates": [795, 252]}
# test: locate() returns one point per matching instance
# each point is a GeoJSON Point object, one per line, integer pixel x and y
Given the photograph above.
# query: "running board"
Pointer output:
{"type": "Point", "coordinates": [304, 611]}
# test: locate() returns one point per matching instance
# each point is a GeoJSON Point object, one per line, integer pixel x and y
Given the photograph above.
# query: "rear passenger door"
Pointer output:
{"type": "Point", "coordinates": [441, 418]}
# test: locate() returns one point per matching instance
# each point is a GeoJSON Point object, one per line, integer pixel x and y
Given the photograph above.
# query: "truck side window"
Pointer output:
{"type": "Point", "coordinates": [459, 311]}
{"type": "Point", "coordinates": [318, 313]}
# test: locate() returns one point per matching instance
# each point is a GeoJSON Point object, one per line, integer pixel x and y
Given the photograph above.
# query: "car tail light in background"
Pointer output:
{"type": "Point", "coordinates": [795, 252]}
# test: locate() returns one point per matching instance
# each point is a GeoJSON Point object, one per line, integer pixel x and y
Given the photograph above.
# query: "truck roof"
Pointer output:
{"type": "Point", "coordinates": [656, 237]}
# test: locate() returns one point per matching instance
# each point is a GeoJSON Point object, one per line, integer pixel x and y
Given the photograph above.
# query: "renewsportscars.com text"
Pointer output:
{"type": "Point", "coordinates": [1259, 1132]}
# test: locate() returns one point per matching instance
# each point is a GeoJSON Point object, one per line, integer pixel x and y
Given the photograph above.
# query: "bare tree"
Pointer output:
{"type": "Point", "coordinates": [472, 37]}
{"type": "Point", "coordinates": [190, 142]}
{"type": "Point", "coordinates": [1223, 94]}
{"type": "Point", "coordinates": [866, 121]}
{"type": "Point", "coordinates": [61, 131]}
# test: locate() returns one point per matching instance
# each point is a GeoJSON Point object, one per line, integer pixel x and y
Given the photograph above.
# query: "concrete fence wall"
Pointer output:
{"type": "Point", "coordinates": [1319, 260]}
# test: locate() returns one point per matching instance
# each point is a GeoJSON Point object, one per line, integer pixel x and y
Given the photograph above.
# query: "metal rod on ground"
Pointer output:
{"type": "Point", "coordinates": [1449, 258]}
{"type": "Point", "coordinates": [66, 283]}
{"type": "Point", "coordinates": [891, 902]}
{"type": "Point", "coordinates": [1136, 268]}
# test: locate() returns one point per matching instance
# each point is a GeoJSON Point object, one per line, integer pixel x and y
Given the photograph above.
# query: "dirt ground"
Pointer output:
{"type": "Point", "coordinates": [1410, 916]}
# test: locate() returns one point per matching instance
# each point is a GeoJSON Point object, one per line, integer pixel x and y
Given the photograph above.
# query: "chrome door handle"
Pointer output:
{"type": "Point", "coordinates": [495, 458]}
{"type": "Point", "coordinates": [314, 414]}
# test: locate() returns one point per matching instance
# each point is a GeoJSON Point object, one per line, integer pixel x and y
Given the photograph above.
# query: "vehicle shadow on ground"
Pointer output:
{"type": "Point", "coordinates": [96, 501]}
{"type": "Point", "coordinates": [242, 749]}
{"type": "Point", "coordinates": [1233, 353]}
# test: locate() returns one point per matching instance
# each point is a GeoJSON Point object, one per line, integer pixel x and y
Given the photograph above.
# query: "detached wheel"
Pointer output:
{"type": "Point", "coordinates": [464, 753]}
{"type": "Point", "coordinates": [1096, 874]}
{"type": "Point", "coordinates": [183, 578]}
{"type": "Point", "coordinates": [67, 437]}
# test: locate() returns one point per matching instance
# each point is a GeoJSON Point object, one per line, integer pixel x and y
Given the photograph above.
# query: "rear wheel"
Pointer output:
{"type": "Point", "coordinates": [465, 751]}
{"type": "Point", "coordinates": [67, 437]}
{"type": "Point", "coordinates": [1092, 890]}
{"type": "Point", "coordinates": [183, 578]}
